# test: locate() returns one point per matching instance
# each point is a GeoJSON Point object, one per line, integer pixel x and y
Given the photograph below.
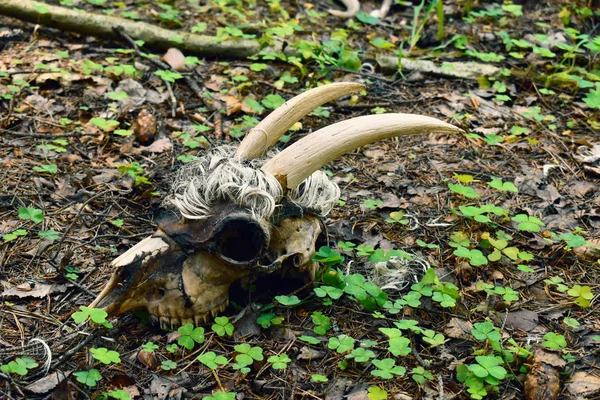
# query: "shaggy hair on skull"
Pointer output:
{"type": "Point", "coordinates": [218, 177]}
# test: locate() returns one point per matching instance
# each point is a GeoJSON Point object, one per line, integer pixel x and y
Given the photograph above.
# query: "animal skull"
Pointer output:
{"type": "Point", "coordinates": [235, 213]}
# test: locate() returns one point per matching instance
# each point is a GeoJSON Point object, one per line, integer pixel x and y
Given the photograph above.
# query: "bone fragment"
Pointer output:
{"type": "Point", "coordinates": [149, 245]}
{"type": "Point", "coordinates": [297, 162]}
{"type": "Point", "coordinates": [352, 8]}
{"type": "Point", "coordinates": [383, 11]}
{"type": "Point", "coordinates": [269, 130]}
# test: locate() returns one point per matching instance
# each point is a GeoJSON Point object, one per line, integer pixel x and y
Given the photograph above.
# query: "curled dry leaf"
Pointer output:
{"type": "Point", "coordinates": [543, 381]}
{"type": "Point", "coordinates": [148, 359]}
{"type": "Point", "coordinates": [175, 59]}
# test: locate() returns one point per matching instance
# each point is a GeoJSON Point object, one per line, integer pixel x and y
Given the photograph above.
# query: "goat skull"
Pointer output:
{"type": "Point", "coordinates": [237, 213]}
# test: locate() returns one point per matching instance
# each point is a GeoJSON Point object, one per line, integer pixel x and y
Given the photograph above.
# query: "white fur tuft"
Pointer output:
{"type": "Point", "coordinates": [317, 192]}
{"type": "Point", "coordinates": [217, 177]}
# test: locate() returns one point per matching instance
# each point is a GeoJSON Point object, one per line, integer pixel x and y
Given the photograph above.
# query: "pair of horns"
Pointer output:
{"type": "Point", "coordinates": [297, 162]}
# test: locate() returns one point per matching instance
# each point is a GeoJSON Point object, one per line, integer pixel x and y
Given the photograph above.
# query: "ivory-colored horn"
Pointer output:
{"type": "Point", "coordinates": [269, 130]}
{"type": "Point", "coordinates": [297, 162]}
{"type": "Point", "coordinates": [352, 8]}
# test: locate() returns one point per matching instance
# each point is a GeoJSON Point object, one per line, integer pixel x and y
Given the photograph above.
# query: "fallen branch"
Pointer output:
{"type": "Point", "coordinates": [201, 45]}
{"type": "Point", "coordinates": [104, 26]}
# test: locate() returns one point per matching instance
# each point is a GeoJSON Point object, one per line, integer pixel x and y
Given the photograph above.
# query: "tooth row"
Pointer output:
{"type": "Point", "coordinates": [173, 323]}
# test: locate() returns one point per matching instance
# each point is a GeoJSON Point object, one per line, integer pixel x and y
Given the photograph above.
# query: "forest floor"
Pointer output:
{"type": "Point", "coordinates": [507, 214]}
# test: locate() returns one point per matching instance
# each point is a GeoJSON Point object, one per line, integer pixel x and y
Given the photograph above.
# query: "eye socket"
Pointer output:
{"type": "Point", "coordinates": [240, 241]}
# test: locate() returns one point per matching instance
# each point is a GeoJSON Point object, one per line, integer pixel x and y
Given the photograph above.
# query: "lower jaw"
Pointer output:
{"type": "Point", "coordinates": [198, 319]}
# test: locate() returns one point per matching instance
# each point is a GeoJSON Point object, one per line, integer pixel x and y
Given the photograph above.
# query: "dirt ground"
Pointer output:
{"type": "Point", "coordinates": [84, 170]}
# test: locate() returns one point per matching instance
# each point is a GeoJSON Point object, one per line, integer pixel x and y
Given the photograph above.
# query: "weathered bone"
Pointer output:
{"type": "Point", "coordinates": [264, 135]}
{"type": "Point", "coordinates": [297, 162]}
{"type": "Point", "coordinates": [243, 215]}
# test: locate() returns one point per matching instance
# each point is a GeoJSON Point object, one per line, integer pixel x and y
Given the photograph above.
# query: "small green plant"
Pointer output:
{"type": "Point", "coordinates": [329, 291]}
{"type": "Point", "coordinates": [46, 169]}
{"type": "Point", "coordinates": [190, 336]}
{"type": "Point", "coordinates": [135, 171]}
{"type": "Point", "coordinates": [50, 234]}
{"type": "Point", "coordinates": [149, 347]}
{"type": "Point", "coordinates": [288, 301]}
{"type": "Point", "coordinates": [31, 214]}
{"type": "Point", "coordinates": [14, 234]}
{"type": "Point", "coordinates": [212, 360]}
{"type": "Point", "coordinates": [322, 323]}
{"type": "Point", "coordinates": [483, 376]}
{"type": "Point", "coordinates": [327, 257]}
{"type": "Point", "coordinates": [387, 368]}
{"type": "Point", "coordinates": [466, 191]}
{"type": "Point", "coordinates": [398, 345]}
{"type": "Point", "coordinates": [104, 124]}
{"type": "Point", "coordinates": [318, 378]}
{"type": "Point", "coordinates": [309, 339]}
{"type": "Point", "coordinates": [373, 204]}
{"type": "Point", "coordinates": [361, 355]}
{"type": "Point", "coordinates": [168, 76]}
{"type": "Point", "coordinates": [246, 356]}
{"type": "Point", "coordinates": [89, 378]}
{"type": "Point", "coordinates": [528, 223]}
{"type": "Point", "coordinates": [168, 365]}
{"type": "Point", "coordinates": [420, 375]}
{"type": "Point", "coordinates": [96, 315]}
{"type": "Point", "coordinates": [377, 393]}
{"type": "Point", "coordinates": [583, 295]}
{"type": "Point", "coordinates": [341, 344]}
{"type": "Point", "coordinates": [267, 319]}
{"type": "Point", "coordinates": [105, 356]}
{"type": "Point", "coordinates": [279, 362]}
{"type": "Point", "coordinates": [222, 326]}
{"type": "Point", "coordinates": [19, 366]}
{"type": "Point", "coordinates": [397, 217]}
{"type": "Point", "coordinates": [221, 396]}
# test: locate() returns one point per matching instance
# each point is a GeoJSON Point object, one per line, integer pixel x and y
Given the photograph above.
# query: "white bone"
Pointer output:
{"type": "Point", "coordinates": [150, 246]}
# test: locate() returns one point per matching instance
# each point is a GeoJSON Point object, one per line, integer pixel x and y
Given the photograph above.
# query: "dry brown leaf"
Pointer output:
{"type": "Point", "coordinates": [33, 289]}
{"type": "Point", "coordinates": [458, 328]}
{"type": "Point", "coordinates": [523, 320]}
{"type": "Point", "coordinates": [47, 383]}
{"type": "Point", "coordinates": [175, 58]}
{"type": "Point", "coordinates": [159, 146]}
{"type": "Point", "coordinates": [542, 382]}
{"type": "Point", "coordinates": [584, 384]}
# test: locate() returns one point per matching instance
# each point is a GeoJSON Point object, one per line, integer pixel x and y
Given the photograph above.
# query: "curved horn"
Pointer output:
{"type": "Point", "coordinates": [269, 130]}
{"type": "Point", "coordinates": [310, 153]}
{"type": "Point", "coordinates": [352, 8]}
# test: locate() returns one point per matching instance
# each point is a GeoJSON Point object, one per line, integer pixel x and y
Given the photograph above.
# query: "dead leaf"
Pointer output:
{"type": "Point", "coordinates": [48, 382]}
{"type": "Point", "coordinates": [307, 354]}
{"type": "Point", "coordinates": [458, 328]}
{"type": "Point", "coordinates": [159, 146]}
{"type": "Point", "coordinates": [175, 58]}
{"type": "Point", "coordinates": [542, 382]}
{"type": "Point", "coordinates": [584, 384]}
{"type": "Point", "coordinates": [581, 188]}
{"type": "Point", "coordinates": [32, 289]}
{"type": "Point", "coordinates": [524, 320]}
{"type": "Point", "coordinates": [232, 104]}
{"type": "Point", "coordinates": [148, 359]}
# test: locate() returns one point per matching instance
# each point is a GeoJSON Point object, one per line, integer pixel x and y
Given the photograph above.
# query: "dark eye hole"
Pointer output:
{"type": "Point", "coordinates": [241, 241]}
